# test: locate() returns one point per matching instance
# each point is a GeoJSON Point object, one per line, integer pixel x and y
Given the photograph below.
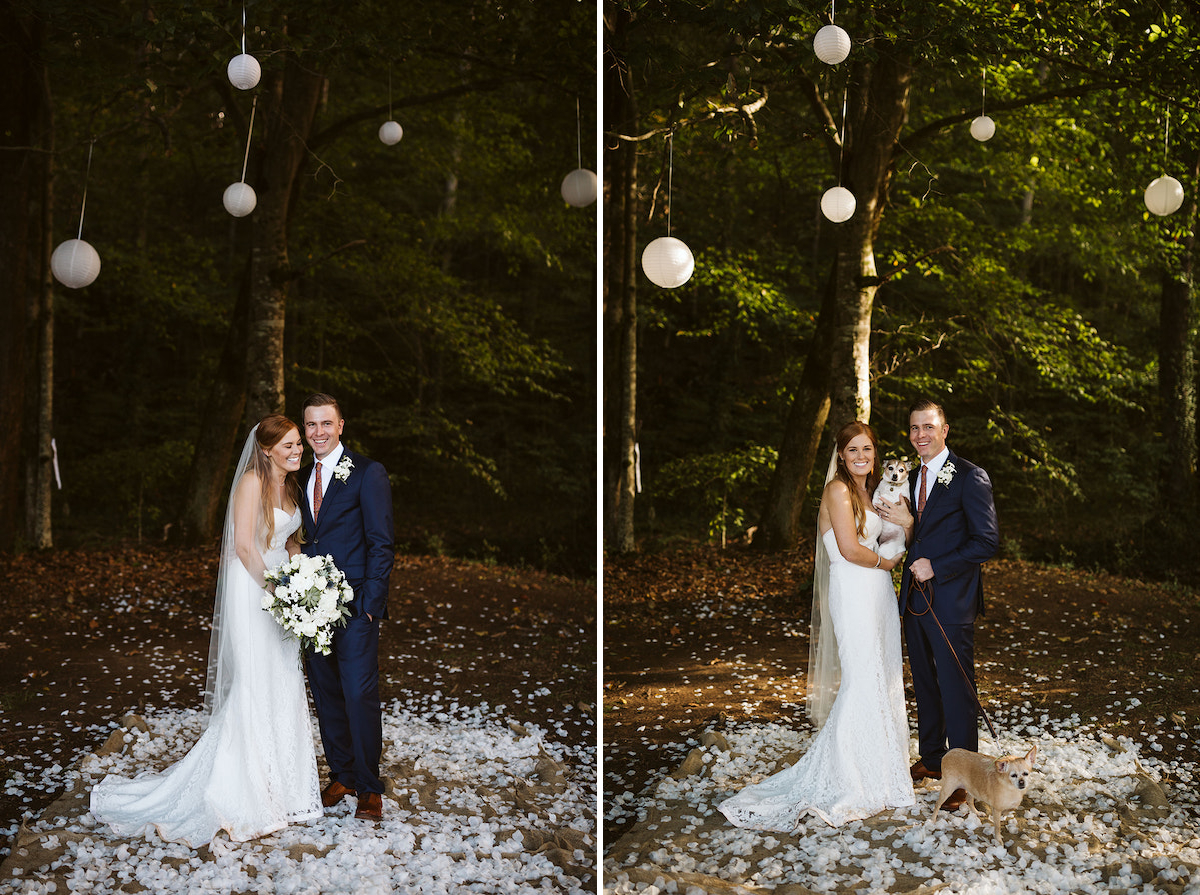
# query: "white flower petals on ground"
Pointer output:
{"type": "Point", "coordinates": [1098, 818]}
{"type": "Point", "coordinates": [474, 803]}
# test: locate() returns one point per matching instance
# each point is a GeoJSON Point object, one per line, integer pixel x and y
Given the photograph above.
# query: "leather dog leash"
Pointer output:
{"type": "Point", "coordinates": [928, 595]}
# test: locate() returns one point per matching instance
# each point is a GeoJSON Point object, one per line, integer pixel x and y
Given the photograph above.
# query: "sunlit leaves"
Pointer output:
{"type": "Point", "coordinates": [724, 483]}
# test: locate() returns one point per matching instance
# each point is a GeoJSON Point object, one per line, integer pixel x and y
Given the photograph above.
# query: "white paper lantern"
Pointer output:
{"type": "Point", "coordinates": [390, 133]}
{"type": "Point", "coordinates": [832, 44]}
{"type": "Point", "coordinates": [244, 71]}
{"type": "Point", "coordinates": [983, 128]}
{"type": "Point", "coordinates": [838, 204]}
{"type": "Point", "coordinates": [75, 264]}
{"type": "Point", "coordinates": [239, 199]}
{"type": "Point", "coordinates": [579, 187]}
{"type": "Point", "coordinates": [1164, 195]}
{"type": "Point", "coordinates": [668, 262]}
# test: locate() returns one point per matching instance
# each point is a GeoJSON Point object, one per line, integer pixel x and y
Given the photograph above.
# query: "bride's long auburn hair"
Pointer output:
{"type": "Point", "coordinates": [271, 430]}
{"type": "Point", "coordinates": [845, 435]}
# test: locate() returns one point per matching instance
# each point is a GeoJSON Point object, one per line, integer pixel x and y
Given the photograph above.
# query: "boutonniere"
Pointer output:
{"type": "Point", "coordinates": [342, 470]}
{"type": "Point", "coordinates": [946, 475]}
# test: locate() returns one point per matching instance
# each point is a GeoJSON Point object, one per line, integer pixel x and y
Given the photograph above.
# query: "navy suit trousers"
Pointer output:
{"type": "Point", "coordinates": [351, 672]}
{"type": "Point", "coordinates": [947, 716]}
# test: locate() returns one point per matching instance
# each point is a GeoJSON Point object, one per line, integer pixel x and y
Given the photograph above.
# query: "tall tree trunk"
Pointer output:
{"type": "Point", "coordinates": [41, 532]}
{"type": "Point", "coordinates": [1177, 377]}
{"type": "Point", "coordinates": [290, 109]}
{"type": "Point", "coordinates": [21, 38]}
{"type": "Point", "coordinates": [620, 290]}
{"type": "Point", "coordinates": [877, 109]}
{"type": "Point", "coordinates": [627, 367]}
{"type": "Point", "coordinates": [249, 382]}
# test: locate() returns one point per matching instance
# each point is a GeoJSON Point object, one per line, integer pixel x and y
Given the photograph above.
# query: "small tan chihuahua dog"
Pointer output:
{"type": "Point", "coordinates": [1001, 782]}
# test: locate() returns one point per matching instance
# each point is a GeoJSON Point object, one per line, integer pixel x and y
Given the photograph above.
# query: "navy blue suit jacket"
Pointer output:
{"type": "Point", "coordinates": [957, 533]}
{"type": "Point", "coordinates": [355, 527]}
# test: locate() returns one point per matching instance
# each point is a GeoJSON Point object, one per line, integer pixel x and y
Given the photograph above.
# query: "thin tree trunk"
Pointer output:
{"type": "Point", "coordinates": [620, 291]}
{"type": "Point", "coordinates": [627, 422]}
{"type": "Point", "coordinates": [20, 112]}
{"type": "Point", "coordinates": [41, 532]}
{"type": "Point", "coordinates": [1177, 377]}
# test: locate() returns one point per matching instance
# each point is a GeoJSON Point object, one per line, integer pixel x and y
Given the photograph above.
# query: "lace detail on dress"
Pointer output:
{"type": "Point", "coordinates": [253, 770]}
{"type": "Point", "coordinates": [858, 762]}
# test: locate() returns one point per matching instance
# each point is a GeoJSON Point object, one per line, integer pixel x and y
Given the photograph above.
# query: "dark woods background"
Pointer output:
{"type": "Point", "coordinates": [440, 288]}
{"type": "Point", "coordinates": [1020, 281]}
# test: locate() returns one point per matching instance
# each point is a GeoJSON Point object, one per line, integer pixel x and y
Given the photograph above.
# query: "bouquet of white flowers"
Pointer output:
{"type": "Point", "coordinates": [310, 599]}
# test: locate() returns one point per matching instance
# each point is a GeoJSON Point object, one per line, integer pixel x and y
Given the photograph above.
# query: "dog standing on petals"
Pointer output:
{"type": "Point", "coordinates": [1001, 782]}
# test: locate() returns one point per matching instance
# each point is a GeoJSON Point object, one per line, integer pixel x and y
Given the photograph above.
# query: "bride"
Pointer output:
{"type": "Point", "coordinates": [253, 770]}
{"type": "Point", "coordinates": [857, 764]}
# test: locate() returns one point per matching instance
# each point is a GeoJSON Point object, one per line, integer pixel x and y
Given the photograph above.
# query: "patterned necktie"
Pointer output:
{"type": "Point", "coordinates": [921, 495]}
{"type": "Point", "coordinates": [317, 490]}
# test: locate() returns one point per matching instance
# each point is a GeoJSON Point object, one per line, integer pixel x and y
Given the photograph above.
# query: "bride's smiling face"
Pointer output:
{"type": "Point", "coordinates": [285, 455]}
{"type": "Point", "coordinates": [859, 455]}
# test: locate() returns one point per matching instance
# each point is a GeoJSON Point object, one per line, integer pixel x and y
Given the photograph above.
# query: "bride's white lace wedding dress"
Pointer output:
{"type": "Point", "coordinates": [858, 762]}
{"type": "Point", "coordinates": [253, 770]}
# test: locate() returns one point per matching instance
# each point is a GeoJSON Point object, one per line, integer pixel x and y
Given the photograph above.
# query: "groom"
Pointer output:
{"type": "Point", "coordinates": [348, 514]}
{"type": "Point", "coordinates": [954, 531]}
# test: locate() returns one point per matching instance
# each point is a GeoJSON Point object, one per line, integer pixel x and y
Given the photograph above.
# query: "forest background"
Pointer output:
{"type": "Point", "coordinates": [441, 288]}
{"type": "Point", "coordinates": [1020, 281]}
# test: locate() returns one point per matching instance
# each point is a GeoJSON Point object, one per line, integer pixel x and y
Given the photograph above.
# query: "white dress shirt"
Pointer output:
{"type": "Point", "coordinates": [932, 468]}
{"type": "Point", "coordinates": [326, 471]}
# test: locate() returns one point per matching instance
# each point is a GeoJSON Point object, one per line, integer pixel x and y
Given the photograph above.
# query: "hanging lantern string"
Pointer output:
{"type": "Point", "coordinates": [983, 95]}
{"type": "Point", "coordinates": [87, 173]}
{"type": "Point", "coordinates": [832, 10]}
{"type": "Point", "coordinates": [1166, 138]}
{"type": "Point", "coordinates": [842, 153]}
{"type": "Point", "coordinates": [249, 133]}
{"type": "Point", "coordinates": [578, 132]}
{"type": "Point", "coordinates": [243, 29]}
{"type": "Point", "coordinates": [389, 91]}
{"type": "Point", "coordinates": [670, 173]}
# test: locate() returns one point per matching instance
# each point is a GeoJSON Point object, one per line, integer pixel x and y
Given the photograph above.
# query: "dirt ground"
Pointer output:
{"type": "Point", "coordinates": [703, 636]}
{"type": "Point", "coordinates": [74, 659]}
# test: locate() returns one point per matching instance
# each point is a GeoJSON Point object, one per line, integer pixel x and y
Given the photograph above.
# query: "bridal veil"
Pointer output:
{"type": "Point", "coordinates": [824, 669]}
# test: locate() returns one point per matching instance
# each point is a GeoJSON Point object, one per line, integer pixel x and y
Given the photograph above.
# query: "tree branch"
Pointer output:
{"type": "Point", "coordinates": [340, 126]}
{"type": "Point", "coordinates": [934, 127]}
{"type": "Point", "coordinates": [745, 112]}
{"type": "Point", "coordinates": [896, 271]}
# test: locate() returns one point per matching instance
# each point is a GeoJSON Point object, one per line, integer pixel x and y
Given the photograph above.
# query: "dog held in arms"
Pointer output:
{"type": "Point", "coordinates": [892, 488]}
{"type": "Point", "coordinates": [1001, 782]}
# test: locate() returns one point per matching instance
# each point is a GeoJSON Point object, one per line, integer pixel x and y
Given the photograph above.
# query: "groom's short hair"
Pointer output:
{"type": "Point", "coordinates": [926, 404]}
{"type": "Point", "coordinates": [320, 399]}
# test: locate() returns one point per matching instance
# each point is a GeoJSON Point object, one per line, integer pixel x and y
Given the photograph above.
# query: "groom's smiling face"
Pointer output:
{"type": "Point", "coordinates": [322, 429]}
{"type": "Point", "coordinates": [927, 431]}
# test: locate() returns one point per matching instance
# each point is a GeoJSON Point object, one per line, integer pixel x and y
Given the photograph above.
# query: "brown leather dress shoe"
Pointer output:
{"type": "Point", "coordinates": [919, 772]}
{"type": "Point", "coordinates": [955, 801]}
{"type": "Point", "coordinates": [370, 806]}
{"type": "Point", "coordinates": [334, 793]}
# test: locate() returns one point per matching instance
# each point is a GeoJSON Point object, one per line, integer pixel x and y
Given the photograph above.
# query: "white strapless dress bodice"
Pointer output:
{"type": "Point", "coordinates": [858, 762]}
{"type": "Point", "coordinates": [253, 770]}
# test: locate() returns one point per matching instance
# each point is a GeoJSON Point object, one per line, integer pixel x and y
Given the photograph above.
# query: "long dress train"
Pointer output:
{"type": "Point", "coordinates": [253, 770]}
{"type": "Point", "coordinates": [858, 762]}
